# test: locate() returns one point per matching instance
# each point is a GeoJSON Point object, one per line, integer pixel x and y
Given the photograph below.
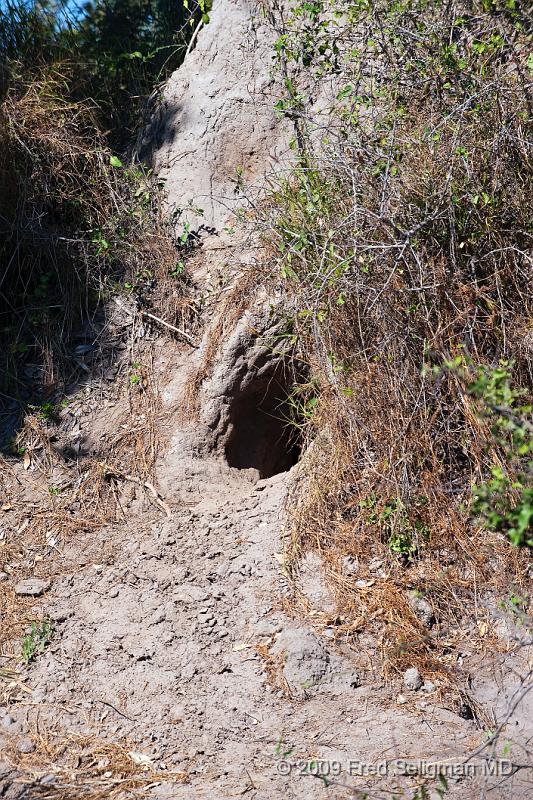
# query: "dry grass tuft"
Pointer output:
{"type": "Point", "coordinates": [273, 666]}
{"type": "Point", "coordinates": [75, 223]}
{"type": "Point", "coordinates": [64, 767]}
{"type": "Point", "coordinates": [336, 510]}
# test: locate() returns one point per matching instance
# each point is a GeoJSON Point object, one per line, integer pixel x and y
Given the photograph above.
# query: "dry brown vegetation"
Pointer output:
{"type": "Point", "coordinates": [76, 226]}
{"type": "Point", "coordinates": [75, 223]}
{"type": "Point", "coordinates": [403, 236]}
{"type": "Point", "coordinates": [76, 766]}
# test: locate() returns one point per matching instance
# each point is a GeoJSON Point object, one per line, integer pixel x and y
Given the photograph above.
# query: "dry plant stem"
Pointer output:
{"type": "Point", "coordinates": [173, 328]}
{"type": "Point", "coordinates": [113, 473]}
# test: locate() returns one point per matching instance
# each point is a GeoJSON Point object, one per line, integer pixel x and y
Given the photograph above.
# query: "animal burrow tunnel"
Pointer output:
{"type": "Point", "coordinates": [260, 434]}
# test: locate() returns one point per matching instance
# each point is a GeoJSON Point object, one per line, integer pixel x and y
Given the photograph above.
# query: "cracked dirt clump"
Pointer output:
{"type": "Point", "coordinates": [309, 667]}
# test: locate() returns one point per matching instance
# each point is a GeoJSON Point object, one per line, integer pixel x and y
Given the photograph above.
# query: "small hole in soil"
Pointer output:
{"type": "Point", "coordinates": [261, 436]}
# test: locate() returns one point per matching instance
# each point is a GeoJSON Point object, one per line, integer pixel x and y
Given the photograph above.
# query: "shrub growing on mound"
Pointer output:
{"type": "Point", "coordinates": [403, 232]}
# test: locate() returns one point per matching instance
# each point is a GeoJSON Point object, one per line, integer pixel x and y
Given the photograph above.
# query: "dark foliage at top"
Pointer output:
{"type": "Point", "coordinates": [118, 50]}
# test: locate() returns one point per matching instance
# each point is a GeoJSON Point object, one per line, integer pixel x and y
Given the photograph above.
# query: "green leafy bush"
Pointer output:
{"type": "Point", "coordinates": [402, 229]}
{"type": "Point", "coordinates": [505, 501]}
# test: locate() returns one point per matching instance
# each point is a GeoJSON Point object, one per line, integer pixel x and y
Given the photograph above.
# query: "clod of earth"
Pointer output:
{"type": "Point", "coordinates": [32, 587]}
{"type": "Point", "coordinates": [26, 746]}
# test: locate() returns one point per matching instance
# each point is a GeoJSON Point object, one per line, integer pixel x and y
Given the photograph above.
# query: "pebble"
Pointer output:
{"type": "Point", "coordinates": [158, 616]}
{"type": "Point", "coordinates": [60, 614]}
{"type": "Point", "coordinates": [428, 687]}
{"type": "Point", "coordinates": [266, 627]}
{"type": "Point", "coordinates": [191, 593]}
{"type": "Point", "coordinates": [412, 679]}
{"type": "Point", "coordinates": [25, 746]}
{"type": "Point", "coordinates": [188, 672]}
{"type": "Point", "coordinates": [423, 611]}
{"type": "Point", "coordinates": [350, 565]}
{"type": "Point", "coordinates": [176, 714]}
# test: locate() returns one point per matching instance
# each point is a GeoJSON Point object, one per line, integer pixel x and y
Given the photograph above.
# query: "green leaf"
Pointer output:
{"type": "Point", "coordinates": [115, 162]}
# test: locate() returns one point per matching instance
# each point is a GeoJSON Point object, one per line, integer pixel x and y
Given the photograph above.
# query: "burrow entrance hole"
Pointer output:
{"type": "Point", "coordinates": [261, 435]}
